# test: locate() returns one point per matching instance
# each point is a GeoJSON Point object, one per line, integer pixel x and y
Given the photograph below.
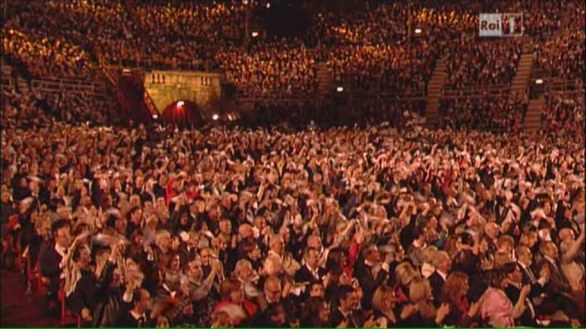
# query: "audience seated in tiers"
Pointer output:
{"type": "Point", "coordinates": [365, 45]}
{"type": "Point", "coordinates": [473, 62]}
{"type": "Point", "coordinates": [148, 230]}
{"type": "Point", "coordinates": [501, 113]}
{"type": "Point", "coordinates": [564, 112]}
{"type": "Point", "coordinates": [351, 226]}
{"type": "Point", "coordinates": [562, 56]}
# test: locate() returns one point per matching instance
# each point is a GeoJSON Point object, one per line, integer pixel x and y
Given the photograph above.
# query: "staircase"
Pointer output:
{"type": "Point", "coordinates": [434, 89]}
{"type": "Point", "coordinates": [324, 79]}
{"type": "Point", "coordinates": [521, 80]}
{"type": "Point", "coordinates": [132, 97]}
{"type": "Point", "coordinates": [532, 121]}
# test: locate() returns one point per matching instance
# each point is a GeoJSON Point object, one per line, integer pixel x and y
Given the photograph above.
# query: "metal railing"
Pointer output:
{"type": "Point", "coordinates": [75, 86]}
{"type": "Point", "coordinates": [149, 103]}
{"type": "Point", "coordinates": [476, 92]}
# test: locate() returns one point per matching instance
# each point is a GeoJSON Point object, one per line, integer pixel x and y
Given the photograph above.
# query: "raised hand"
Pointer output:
{"type": "Point", "coordinates": [474, 308]}
{"type": "Point", "coordinates": [442, 311]}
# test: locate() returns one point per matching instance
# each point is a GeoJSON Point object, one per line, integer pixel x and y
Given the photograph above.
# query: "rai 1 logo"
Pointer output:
{"type": "Point", "coordinates": [500, 25]}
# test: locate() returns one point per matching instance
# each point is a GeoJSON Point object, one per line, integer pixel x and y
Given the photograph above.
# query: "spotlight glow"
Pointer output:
{"type": "Point", "coordinates": [215, 117]}
{"type": "Point", "coordinates": [417, 31]}
{"type": "Point", "coordinates": [539, 81]}
{"type": "Point", "coordinates": [340, 89]}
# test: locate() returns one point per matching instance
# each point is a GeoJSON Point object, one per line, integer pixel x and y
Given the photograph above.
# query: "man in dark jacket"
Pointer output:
{"type": "Point", "coordinates": [51, 260]}
{"type": "Point", "coordinates": [139, 315]}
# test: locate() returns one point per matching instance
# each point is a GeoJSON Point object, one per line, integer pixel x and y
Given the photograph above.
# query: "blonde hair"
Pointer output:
{"type": "Point", "coordinates": [381, 298]}
{"type": "Point", "coordinates": [420, 293]}
{"type": "Point", "coordinates": [504, 240]}
{"type": "Point", "coordinates": [406, 273]}
{"type": "Point", "coordinates": [438, 257]}
{"type": "Point", "coordinates": [501, 258]}
{"type": "Point", "coordinates": [428, 254]}
{"type": "Point", "coordinates": [241, 264]}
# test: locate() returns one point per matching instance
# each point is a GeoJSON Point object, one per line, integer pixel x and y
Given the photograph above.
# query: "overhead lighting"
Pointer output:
{"type": "Point", "coordinates": [340, 89]}
{"type": "Point", "coordinates": [539, 81]}
{"type": "Point", "coordinates": [180, 103]}
{"type": "Point", "coordinates": [268, 5]}
{"type": "Point", "coordinates": [254, 34]}
{"type": "Point", "coordinates": [215, 117]}
{"type": "Point", "coordinates": [245, 2]}
{"type": "Point", "coordinates": [155, 116]}
{"type": "Point", "coordinates": [125, 71]}
{"type": "Point", "coordinates": [417, 31]}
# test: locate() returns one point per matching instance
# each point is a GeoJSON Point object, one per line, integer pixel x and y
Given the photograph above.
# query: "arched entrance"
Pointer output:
{"type": "Point", "coordinates": [183, 113]}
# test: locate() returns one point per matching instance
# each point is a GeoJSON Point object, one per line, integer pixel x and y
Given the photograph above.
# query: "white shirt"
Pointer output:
{"type": "Point", "coordinates": [60, 250]}
{"type": "Point", "coordinates": [137, 316]}
{"type": "Point", "coordinates": [63, 253]}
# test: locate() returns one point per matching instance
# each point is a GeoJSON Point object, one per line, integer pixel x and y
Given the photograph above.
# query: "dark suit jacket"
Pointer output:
{"type": "Point", "coordinates": [187, 255]}
{"type": "Point", "coordinates": [49, 260]}
{"type": "Point", "coordinates": [355, 319]}
{"type": "Point", "coordinates": [437, 283]}
{"type": "Point", "coordinates": [527, 319]}
{"type": "Point", "coordinates": [367, 281]}
{"type": "Point", "coordinates": [84, 295]}
{"type": "Point", "coordinates": [128, 321]}
{"type": "Point", "coordinates": [530, 277]}
{"type": "Point", "coordinates": [305, 275]}
{"type": "Point", "coordinates": [558, 283]}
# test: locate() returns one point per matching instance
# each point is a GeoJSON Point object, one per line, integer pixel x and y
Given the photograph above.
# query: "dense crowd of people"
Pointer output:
{"type": "Point", "coordinates": [362, 44]}
{"type": "Point", "coordinates": [347, 214]}
{"type": "Point", "coordinates": [284, 70]}
{"type": "Point", "coordinates": [483, 63]}
{"type": "Point", "coordinates": [502, 112]}
{"type": "Point", "coordinates": [562, 56]}
{"type": "Point", "coordinates": [564, 112]}
{"type": "Point", "coordinates": [338, 228]}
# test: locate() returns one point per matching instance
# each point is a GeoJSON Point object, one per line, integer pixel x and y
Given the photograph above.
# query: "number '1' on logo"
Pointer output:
{"type": "Point", "coordinates": [500, 25]}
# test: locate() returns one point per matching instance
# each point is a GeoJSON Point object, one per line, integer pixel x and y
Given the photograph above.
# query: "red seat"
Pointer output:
{"type": "Point", "coordinates": [67, 316]}
{"type": "Point", "coordinates": [34, 278]}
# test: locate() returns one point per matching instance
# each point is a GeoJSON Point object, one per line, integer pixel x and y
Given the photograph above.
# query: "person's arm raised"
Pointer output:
{"type": "Point", "coordinates": [575, 247]}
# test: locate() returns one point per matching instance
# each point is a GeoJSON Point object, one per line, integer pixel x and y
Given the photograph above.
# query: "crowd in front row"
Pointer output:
{"type": "Point", "coordinates": [342, 227]}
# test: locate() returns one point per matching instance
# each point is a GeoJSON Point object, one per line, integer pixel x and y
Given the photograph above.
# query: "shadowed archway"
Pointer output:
{"type": "Point", "coordinates": [183, 113]}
